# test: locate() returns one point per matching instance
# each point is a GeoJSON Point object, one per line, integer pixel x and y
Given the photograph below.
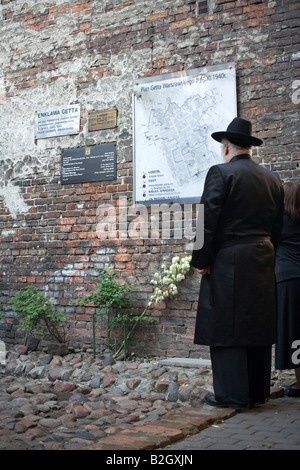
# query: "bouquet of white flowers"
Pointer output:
{"type": "Point", "coordinates": [165, 283]}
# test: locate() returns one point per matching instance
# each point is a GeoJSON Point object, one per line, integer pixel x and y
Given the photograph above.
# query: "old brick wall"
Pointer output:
{"type": "Point", "coordinates": [89, 52]}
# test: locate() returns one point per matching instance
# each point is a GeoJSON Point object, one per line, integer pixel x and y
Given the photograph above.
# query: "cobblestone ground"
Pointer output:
{"type": "Point", "coordinates": [76, 402]}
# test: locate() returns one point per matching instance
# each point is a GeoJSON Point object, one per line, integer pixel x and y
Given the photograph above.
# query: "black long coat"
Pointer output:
{"type": "Point", "coordinates": [243, 212]}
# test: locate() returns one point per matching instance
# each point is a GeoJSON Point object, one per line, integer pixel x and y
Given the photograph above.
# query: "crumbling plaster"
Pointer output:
{"type": "Point", "coordinates": [23, 157]}
{"type": "Point", "coordinates": [67, 69]}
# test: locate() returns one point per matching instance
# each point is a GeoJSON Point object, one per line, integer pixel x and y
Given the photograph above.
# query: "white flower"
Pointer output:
{"type": "Point", "coordinates": [166, 285]}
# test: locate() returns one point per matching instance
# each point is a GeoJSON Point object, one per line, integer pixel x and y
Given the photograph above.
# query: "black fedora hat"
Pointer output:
{"type": "Point", "coordinates": [238, 133]}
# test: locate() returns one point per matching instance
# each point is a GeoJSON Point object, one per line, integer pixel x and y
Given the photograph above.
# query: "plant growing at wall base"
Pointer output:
{"type": "Point", "coordinates": [166, 286]}
{"type": "Point", "coordinates": [33, 310]}
{"type": "Point", "coordinates": [111, 294]}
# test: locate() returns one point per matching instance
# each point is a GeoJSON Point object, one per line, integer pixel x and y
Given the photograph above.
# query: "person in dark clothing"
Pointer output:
{"type": "Point", "coordinates": [287, 349]}
{"type": "Point", "coordinates": [236, 315]}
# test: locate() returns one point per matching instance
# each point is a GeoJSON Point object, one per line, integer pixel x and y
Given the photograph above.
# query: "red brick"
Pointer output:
{"type": "Point", "coordinates": [62, 219]}
{"type": "Point", "coordinates": [182, 24]}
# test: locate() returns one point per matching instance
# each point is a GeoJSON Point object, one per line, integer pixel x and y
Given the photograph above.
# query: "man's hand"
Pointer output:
{"type": "Point", "coordinates": [203, 271]}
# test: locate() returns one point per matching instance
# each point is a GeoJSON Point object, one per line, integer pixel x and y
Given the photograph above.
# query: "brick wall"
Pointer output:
{"type": "Point", "coordinates": [89, 52]}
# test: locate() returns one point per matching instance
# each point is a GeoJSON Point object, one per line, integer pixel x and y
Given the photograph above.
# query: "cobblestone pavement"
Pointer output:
{"type": "Point", "coordinates": [80, 403]}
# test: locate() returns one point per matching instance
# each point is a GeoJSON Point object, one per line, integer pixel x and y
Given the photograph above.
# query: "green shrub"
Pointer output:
{"type": "Point", "coordinates": [34, 310]}
{"type": "Point", "coordinates": [111, 298]}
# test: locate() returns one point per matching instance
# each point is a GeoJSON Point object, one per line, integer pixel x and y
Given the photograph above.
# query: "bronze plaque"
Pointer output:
{"type": "Point", "coordinates": [102, 120]}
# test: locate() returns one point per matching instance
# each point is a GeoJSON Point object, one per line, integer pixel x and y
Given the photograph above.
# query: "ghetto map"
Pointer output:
{"type": "Point", "coordinates": [173, 122]}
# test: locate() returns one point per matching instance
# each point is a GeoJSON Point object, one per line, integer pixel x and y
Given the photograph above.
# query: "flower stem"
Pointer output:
{"type": "Point", "coordinates": [166, 287]}
{"type": "Point", "coordinates": [130, 332]}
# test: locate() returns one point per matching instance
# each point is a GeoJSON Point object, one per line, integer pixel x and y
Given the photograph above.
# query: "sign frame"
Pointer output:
{"type": "Point", "coordinates": [171, 163]}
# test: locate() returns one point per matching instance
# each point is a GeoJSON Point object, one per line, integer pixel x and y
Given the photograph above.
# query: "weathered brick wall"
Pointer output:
{"type": "Point", "coordinates": [89, 52]}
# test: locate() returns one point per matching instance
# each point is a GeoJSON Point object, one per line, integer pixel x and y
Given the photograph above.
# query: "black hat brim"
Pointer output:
{"type": "Point", "coordinates": [241, 140]}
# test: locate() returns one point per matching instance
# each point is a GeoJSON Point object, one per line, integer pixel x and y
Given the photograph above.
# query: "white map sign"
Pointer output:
{"type": "Point", "coordinates": [174, 117]}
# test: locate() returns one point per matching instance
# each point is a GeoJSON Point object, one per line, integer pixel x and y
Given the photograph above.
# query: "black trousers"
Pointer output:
{"type": "Point", "coordinates": [241, 375]}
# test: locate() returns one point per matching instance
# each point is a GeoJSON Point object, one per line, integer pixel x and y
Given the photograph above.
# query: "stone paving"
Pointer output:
{"type": "Point", "coordinates": [272, 426]}
{"type": "Point", "coordinates": [76, 402]}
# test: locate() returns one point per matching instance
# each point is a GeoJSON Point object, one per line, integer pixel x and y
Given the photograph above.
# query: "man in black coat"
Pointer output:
{"type": "Point", "coordinates": [236, 317]}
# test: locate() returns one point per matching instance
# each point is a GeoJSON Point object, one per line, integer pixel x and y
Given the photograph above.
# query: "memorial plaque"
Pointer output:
{"type": "Point", "coordinates": [89, 164]}
{"type": "Point", "coordinates": [56, 122]}
{"type": "Point", "coordinates": [102, 120]}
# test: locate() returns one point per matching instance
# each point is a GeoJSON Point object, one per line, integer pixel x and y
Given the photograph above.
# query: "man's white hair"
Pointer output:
{"type": "Point", "coordinates": [235, 148]}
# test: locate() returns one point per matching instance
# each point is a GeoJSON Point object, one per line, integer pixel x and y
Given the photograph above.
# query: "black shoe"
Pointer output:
{"type": "Point", "coordinates": [289, 391]}
{"type": "Point", "coordinates": [210, 400]}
